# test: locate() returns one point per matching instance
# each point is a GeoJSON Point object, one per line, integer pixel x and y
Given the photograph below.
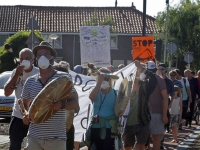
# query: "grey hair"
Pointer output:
{"type": "Point", "coordinates": [198, 72]}
{"type": "Point", "coordinates": [27, 50]}
{"type": "Point", "coordinates": [187, 70]}
{"type": "Point", "coordinates": [64, 64]}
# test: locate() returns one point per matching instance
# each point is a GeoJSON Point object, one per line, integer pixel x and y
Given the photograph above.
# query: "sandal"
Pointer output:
{"type": "Point", "coordinates": [173, 141]}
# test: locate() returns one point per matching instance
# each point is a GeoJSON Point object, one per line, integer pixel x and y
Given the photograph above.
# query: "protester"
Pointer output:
{"type": "Point", "coordinates": [65, 64]}
{"type": "Point", "coordinates": [104, 123]}
{"type": "Point", "coordinates": [120, 66]}
{"type": "Point", "coordinates": [137, 127]}
{"type": "Point", "coordinates": [173, 76]}
{"type": "Point", "coordinates": [175, 113]}
{"type": "Point", "coordinates": [159, 104]}
{"type": "Point", "coordinates": [79, 69]}
{"type": "Point", "coordinates": [70, 129]}
{"type": "Point", "coordinates": [186, 99]}
{"type": "Point", "coordinates": [51, 134]}
{"type": "Point", "coordinates": [17, 130]}
{"type": "Point", "coordinates": [111, 68]}
{"type": "Point", "coordinates": [194, 88]}
{"type": "Point", "coordinates": [162, 70]}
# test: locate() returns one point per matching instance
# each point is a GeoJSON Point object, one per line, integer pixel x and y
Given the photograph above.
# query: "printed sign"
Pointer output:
{"type": "Point", "coordinates": [95, 45]}
{"type": "Point", "coordinates": [143, 48]}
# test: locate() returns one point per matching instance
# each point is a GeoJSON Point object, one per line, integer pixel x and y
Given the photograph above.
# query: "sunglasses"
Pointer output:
{"type": "Point", "coordinates": [161, 69]}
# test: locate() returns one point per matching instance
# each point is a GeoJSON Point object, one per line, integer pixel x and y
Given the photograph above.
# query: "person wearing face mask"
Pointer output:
{"type": "Point", "coordinates": [51, 134]}
{"type": "Point", "coordinates": [104, 121]}
{"type": "Point", "coordinates": [18, 130]}
{"type": "Point", "coordinates": [137, 125]}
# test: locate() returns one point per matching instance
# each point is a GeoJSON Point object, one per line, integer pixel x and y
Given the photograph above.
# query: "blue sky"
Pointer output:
{"type": "Point", "coordinates": [153, 6]}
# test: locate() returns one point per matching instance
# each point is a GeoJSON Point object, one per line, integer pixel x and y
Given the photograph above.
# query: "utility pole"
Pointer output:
{"type": "Point", "coordinates": [166, 30]}
{"type": "Point", "coordinates": [144, 18]}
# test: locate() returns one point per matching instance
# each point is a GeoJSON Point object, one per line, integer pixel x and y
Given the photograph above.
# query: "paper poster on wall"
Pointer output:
{"type": "Point", "coordinates": [143, 48]}
{"type": "Point", "coordinates": [95, 45]}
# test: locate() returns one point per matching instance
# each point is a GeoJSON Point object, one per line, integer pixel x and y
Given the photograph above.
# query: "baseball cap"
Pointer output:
{"type": "Point", "coordinates": [78, 69]}
{"type": "Point", "coordinates": [151, 66]}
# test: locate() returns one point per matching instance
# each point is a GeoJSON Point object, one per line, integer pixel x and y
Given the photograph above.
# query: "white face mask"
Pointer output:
{"type": "Point", "coordinates": [104, 84]}
{"type": "Point", "coordinates": [142, 76]}
{"type": "Point", "coordinates": [26, 64]}
{"type": "Point", "coordinates": [43, 62]}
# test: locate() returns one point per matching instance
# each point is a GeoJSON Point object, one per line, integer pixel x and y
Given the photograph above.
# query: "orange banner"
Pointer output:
{"type": "Point", "coordinates": [143, 48]}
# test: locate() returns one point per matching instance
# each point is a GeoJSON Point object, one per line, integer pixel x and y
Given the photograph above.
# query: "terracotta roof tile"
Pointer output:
{"type": "Point", "coordinates": [69, 19]}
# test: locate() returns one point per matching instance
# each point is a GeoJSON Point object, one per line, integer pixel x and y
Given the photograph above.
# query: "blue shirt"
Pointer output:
{"type": "Point", "coordinates": [107, 103]}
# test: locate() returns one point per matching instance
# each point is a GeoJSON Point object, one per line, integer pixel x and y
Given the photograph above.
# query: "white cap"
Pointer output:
{"type": "Point", "coordinates": [151, 65]}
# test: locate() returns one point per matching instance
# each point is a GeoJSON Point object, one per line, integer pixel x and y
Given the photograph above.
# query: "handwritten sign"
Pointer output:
{"type": "Point", "coordinates": [143, 48]}
{"type": "Point", "coordinates": [95, 45]}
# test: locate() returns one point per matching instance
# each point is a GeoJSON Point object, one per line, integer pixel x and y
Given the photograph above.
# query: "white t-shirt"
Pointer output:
{"type": "Point", "coordinates": [20, 83]}
{"type": "Point", "coordinates": [175, 108]}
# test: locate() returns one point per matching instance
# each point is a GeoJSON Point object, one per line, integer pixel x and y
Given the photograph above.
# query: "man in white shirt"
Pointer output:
{"type": "Point", "coordinates": [18, 130]}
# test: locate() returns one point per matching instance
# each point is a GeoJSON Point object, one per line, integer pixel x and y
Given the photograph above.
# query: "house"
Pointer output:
{"type": "Point", "coordinates": [65, 22]}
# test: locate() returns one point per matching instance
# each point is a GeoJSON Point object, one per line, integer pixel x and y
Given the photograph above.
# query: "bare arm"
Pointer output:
{"type": "Point", "coordinates": [94, 93]}
{"type": "Point", "coordinates": [72, 102]}
{"type": "Point", "coordinates": [26, 103]}
{"type": "Point", "coordinates": [10, 86]}
{"type": "Point", "coordinates": [26, 106]}
{"type": "Point", "coordinates": [165, 105]}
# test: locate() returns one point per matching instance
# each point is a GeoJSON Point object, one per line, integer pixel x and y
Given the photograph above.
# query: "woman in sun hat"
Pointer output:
{"type": "Point", "coordinates": [104, 121]}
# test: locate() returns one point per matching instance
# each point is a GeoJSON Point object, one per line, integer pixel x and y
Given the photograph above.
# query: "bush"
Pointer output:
{"type": "Point", "coordinates": [17, 43]}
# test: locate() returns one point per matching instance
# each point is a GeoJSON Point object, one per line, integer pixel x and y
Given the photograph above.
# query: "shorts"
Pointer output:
{"type": "Point", "coordinates": [174, 120]}
{"type": "Point", "coordinates": [140, 132]}
{"type": "Point", "coordinates": [41, 144]}
{"type": "Point", "coordinates": [156, 124]}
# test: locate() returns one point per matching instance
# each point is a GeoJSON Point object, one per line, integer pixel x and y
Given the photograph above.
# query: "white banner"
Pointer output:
{"type": "Point", "coordinates": [95, 45]}
{"type": "Point", "coordinates": [83, 85]}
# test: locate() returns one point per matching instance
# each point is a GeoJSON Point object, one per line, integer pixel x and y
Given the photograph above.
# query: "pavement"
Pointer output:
{"type": "Point", "coordinates": [4, 139]}
{"type": "Point", "coordinates": [189, 138]}
{"type": "Point", "coordinates": [186, 138]}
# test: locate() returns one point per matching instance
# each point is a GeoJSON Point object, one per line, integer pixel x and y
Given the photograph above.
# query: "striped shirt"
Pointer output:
{"type": "Point", "coordinates": [55, 127]}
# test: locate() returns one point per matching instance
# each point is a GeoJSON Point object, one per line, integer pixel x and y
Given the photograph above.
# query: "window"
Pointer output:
{"type": "Point", "coordinates": [3, 38]}
{"type": "Point", "coordinates": [55, 43]}
{"type": "Point", "coordinates": [58, 59]}
{"type": "Point", "coordinates": [117, 62]}
{"type": "Point", "coordinates": [58, 42]}
{"type": "Point", "coordinates": [113, 42]}
{"type": "Point", "coordinates": [129, 61]}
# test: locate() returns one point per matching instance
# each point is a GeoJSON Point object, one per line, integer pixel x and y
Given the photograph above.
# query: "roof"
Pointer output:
{"type": "Point", "coordinates": [69, 19]}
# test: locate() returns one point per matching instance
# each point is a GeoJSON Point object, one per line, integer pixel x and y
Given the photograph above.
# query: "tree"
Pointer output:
{"type": "Point", "coordinates": [107, 20]}
{"type": "Point", "coordinates": [183, 28]}
{"type": "Point", "coordinates": [17, 42]}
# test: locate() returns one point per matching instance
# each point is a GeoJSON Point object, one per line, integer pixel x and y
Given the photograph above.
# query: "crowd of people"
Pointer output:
{"type": "Point", "coordinates": [155, 103]}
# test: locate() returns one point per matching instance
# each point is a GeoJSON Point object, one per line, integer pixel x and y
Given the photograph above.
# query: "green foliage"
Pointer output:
{"type": "Point", "coordinates": [107, 20]}
{"type": "Point", "coordinates": [17, 43]}
{"type": "Point", "coordinates": [183, 28]}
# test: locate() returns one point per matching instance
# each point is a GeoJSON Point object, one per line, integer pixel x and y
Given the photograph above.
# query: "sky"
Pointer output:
{"type": "Point", "coordinates": [152, 6]}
